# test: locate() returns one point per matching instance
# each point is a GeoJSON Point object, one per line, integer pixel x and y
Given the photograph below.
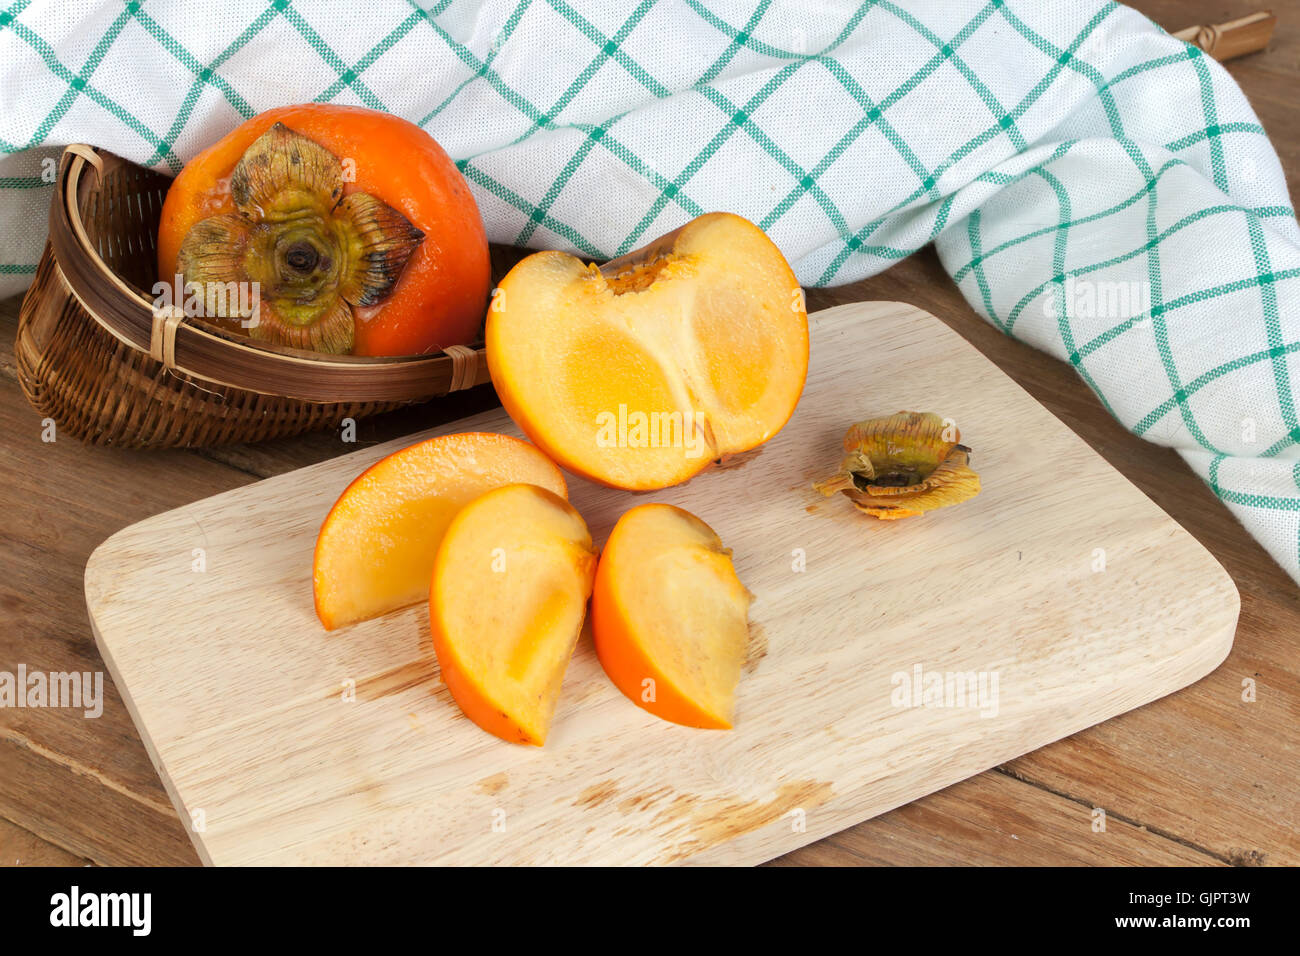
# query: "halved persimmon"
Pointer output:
{"type": "Point", "coordinates": [506, 605]}
{"type": "Point", "coordinates": [376, 548]}
{"type": "Point", "coordinates": [670, 617]}
{"type": "Point", "coordinates": [638, 374]}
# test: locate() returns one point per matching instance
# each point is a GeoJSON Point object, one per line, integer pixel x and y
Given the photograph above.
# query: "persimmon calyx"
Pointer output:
{"type": "Point", "coordinates": [314, 253]}
{"type": "Point", "coordinates": [903, 465]}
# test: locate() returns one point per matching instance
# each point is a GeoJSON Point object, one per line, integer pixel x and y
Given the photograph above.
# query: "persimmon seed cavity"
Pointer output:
{"type": "Point", "coordinates": [302, 257]}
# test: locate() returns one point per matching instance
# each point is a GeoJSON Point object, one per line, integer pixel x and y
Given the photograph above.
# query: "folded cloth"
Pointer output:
{"type": "Point", "coordinates": [1096, 187]}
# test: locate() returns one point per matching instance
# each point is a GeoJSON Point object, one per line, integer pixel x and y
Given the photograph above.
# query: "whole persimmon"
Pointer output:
{"type": "Point", "coordinates": [361, 234]}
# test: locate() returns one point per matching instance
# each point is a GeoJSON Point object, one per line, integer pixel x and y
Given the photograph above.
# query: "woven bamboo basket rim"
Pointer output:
{"type": "Point", "coordinates": [191, 347]}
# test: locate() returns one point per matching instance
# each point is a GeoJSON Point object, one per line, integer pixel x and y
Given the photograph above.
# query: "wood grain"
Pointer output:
{"type": "Point", "coordinates": [19, 847]}
{"type": "Point", "coordinates": [256, 737]}
{"type": "Point", "coordinates": [993, 820]}
{"type": "Point", "coordinates": [60, 497]}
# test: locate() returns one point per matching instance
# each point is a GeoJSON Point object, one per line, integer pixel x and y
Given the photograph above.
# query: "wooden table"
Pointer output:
{"type": "Point", "coordinates": [1200, 777]}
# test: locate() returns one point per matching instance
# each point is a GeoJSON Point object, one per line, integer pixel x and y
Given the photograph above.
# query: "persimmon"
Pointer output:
{"type": "Point", "coordinates": [376, 547]}
{"type": "Point", "coordinates": [361, 233]}
{"type": "Point", "coordinates": [506, 604]}
{"type": "Point", "coordinates": [640, 373]}
{"type": "Point", "coordinates": [670, 617]}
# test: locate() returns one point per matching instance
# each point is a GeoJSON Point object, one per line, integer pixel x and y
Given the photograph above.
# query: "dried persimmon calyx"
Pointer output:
{"type": "Point", "coordinates": [903, 465]}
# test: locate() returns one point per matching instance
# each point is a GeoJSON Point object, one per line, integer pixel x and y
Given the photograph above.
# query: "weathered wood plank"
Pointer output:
{"type": "Point", "coordinates": [19, 847]}
{"type": "Point", "coordinates": [996, 820]}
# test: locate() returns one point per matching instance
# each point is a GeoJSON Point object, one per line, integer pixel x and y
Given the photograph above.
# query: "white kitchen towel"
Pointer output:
{"type": "Point", "coordinates": [1096, 187]}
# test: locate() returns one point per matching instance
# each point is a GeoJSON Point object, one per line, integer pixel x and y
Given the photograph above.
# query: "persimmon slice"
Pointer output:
{"type": "Point", "coordinates": [506, 605]}
{"type": "Point", "coordinates": [670, 617]}
{"type": "Point", "coordinates": [638, 374]}
{"type": "Point", "coordinates": [376, 548]}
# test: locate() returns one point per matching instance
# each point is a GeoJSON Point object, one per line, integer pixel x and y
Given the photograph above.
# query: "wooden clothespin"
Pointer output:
{"type": "Point", "coordinates": [1224, 41]}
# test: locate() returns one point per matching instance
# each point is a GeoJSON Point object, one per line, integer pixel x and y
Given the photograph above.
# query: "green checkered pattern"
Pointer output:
{"type": "Point", "coordinates": [1095, 187]}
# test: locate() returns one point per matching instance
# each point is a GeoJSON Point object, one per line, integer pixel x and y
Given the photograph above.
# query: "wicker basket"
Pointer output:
{"type": "Point", "coordinates": [95, 356]}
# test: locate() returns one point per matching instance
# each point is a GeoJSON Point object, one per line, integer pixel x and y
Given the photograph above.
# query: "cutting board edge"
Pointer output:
{"type": "Point", "coordinates": [1221, 572]}
{"type": "Point", "coordinates": [155, 758]}
{"type": "Point", "coordinates": [755, 847]}
{"type": "Point", "coordinates": [1217, 646]}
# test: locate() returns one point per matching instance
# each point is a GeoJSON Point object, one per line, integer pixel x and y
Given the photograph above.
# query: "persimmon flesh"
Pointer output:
{"type": "Point", "coordinates": [670, 617]}
{"type": "Point", "coordinates": [376, 547]}
{"type": "Point", "coordinates": [506, 605]}
{"type": "Point", "coordinates": [640, 373]}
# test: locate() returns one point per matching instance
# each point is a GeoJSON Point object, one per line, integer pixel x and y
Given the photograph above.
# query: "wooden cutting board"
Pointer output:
{"type": "Point", "coordinates": [1062, 591]}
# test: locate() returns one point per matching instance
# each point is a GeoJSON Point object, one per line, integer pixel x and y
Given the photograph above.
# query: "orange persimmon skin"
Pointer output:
{"type": "Point", "coordinates": [469, 696]}
{"type": "Point", "coordinates": [628, 666]}
{"type": "Point", "coordinates": [472, 689]}
{"type": "Point", "coordinates": [622, 655]}
{"type": "Point", "coordinates": [441, 297]}
{"type": "Point", "coordinates": [478, 445]}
